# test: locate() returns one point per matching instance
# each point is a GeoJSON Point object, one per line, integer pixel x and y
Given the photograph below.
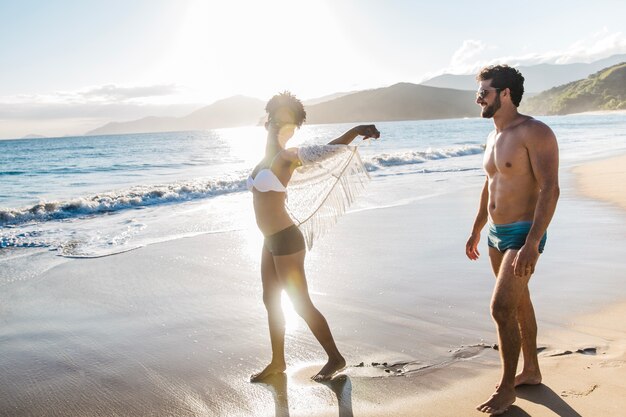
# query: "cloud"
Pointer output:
{"type": "Point", "coordinates": [113, 92]}
{"type": "Point", "coordinates": [599, 45]}
{"type": "Point", "coordinates": [75, 112]}
{"type": "Point", "coordinates": [467, 53]}
{"type": "Point", "coordinates": [475, 54]}
{"type": "Point", "coordinates": [123, 111]}
{"type": "Point", "coordinates": [106, 94]}
{"type": "Point", "coordinates": [60, 119]}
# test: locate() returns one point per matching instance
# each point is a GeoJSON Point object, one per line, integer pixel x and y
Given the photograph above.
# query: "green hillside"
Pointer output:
{"type": "Point", "coordinates": [604, 90]}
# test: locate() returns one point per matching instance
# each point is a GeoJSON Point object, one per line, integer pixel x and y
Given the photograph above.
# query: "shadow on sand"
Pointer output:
{"type": "Point", "coordinates": [543, 395]}
{"type": "Point", "coordinates": [515, 411]}
{"type": "Point", "coordinates": [341, 386]}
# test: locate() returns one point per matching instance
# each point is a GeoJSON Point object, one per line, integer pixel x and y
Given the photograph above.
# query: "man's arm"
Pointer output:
{"type": "Point", "coordinates": [367, 131]}
{"type": "Point", "coordinates": [543, 152]}
{"type": "Point", "coordinates": [471, 247]}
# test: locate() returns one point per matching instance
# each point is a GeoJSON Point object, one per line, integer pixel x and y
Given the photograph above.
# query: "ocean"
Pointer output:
{"type": "Point", "coordinates": [94, 196]}
{"type": "Point", "coordinates": [176, 328]}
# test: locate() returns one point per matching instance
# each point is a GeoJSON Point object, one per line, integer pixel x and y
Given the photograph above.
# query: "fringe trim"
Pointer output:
{"type": "Point", "coordinates": [348, 185]}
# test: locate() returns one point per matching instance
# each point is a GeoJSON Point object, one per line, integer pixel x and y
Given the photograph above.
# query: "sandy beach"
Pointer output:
{"type": "Point", "coordinates": [604, 180]}
{"type": "Point", "coordinates": [176, 328]}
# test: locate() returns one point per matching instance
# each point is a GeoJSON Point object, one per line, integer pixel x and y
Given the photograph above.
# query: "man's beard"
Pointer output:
{"type": "Point", "coordinates": [489, 111]}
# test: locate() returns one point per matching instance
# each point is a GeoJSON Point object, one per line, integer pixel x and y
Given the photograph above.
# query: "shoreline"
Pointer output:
{"type": "Point", "coordinates": [580, 360]}
{"type": "Point", "coordinates": [598, 112]}
{"type": "Point", "coordinates": [177, 327]}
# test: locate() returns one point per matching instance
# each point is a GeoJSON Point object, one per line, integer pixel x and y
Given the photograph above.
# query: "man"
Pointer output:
{"type": "Point", "coordinates": [518, 200]}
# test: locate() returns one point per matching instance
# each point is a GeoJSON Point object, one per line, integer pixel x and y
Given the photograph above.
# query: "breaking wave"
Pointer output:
{"type": "Point", "coordinates": [136, 197]}
{"type": "Point", "coordinates": [150, 195]}
{"type": "Point", "coordinates": [418, 157]}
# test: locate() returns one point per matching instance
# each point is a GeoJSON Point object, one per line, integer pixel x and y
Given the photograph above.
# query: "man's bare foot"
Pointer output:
{"type": "Point", "coordinates": [271, 369]}
{"type": "Point", "coordinates": [498, 403]}
{"type": "Point", "coordinates": [332, 366]}
{"type": "Point", "coordinates": [528, 378]}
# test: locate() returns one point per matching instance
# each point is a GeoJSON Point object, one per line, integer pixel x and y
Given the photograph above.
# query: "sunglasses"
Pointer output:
{"type": "Point", "coordinates": [482, 93]}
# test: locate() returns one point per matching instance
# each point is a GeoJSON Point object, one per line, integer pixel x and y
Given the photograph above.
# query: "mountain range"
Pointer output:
{"type": "Point", "coordinates": [230, 112]}
{"type": "Point", "coordinates": [604, 90]}
{"type": "Point", "coordinates": [446, 96]}
{"type": "Point", "coordinates": [402, 101]}
{"type": "Point", "coordinates": [537, 78]}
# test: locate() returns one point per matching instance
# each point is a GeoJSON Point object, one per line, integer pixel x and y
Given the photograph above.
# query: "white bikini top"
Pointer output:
{"type": "Point", "coordinates": [265, 181]}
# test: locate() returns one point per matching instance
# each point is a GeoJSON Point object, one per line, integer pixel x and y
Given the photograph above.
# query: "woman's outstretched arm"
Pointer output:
{"type": "Point", "coordinates": [367, 131]}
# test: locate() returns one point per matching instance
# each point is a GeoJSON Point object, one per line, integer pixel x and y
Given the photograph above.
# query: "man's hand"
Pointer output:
{"type": "Point", "coordinates": [471, 247]}
{"type": "Point", "coordinates": [525, 260]}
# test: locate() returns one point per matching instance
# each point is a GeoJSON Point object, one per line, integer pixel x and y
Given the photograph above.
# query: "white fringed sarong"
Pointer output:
{"type": "Point", "coordinates": [328, 182]}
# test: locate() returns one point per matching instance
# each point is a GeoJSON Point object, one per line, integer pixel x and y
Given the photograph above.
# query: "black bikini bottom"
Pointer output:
{"type": "Point", "coordinates": [285, 242]}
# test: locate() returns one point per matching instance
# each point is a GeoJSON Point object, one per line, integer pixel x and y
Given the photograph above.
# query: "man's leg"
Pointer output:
{"type": "Point", "coordinates": [495, 256]}
{"type": "Point", "coordinates": [530, 374]}
{"type": "Point", "coordinates": [505, 302]}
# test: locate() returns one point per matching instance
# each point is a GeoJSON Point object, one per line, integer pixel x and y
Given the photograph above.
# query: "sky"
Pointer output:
{"type": "Point", "coordinates": [69, 66]}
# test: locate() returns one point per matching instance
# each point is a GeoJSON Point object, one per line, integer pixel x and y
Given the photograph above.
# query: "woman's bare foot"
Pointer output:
{"type": "Point", "coordinates": [332, 366]}
{"type": "Point", "coordinates": [498, 403]}
{"type": "Point", "coordinates": [271, 369]}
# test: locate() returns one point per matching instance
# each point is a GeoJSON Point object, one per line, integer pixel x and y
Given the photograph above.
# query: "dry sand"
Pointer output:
{"type": "Point", "coordinates": [579, 379]}
{"type": "Point", "coordinates": [604, 180]}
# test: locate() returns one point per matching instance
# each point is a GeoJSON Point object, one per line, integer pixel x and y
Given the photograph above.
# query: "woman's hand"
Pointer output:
{"type": "Point", "coordinates": [367, 131]}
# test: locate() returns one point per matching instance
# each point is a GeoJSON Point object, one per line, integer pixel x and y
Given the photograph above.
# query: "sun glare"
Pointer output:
{"type": "Point", "coordinates": [255, 48]}
{"type": "Point", "coordinates": [292, 319]}
{"type": "Point", "coordinates": [247, 144]}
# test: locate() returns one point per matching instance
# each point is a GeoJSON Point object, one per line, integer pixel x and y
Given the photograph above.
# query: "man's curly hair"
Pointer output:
{"type": "Point", "coordinates": [285, 108]}
{"type": "Point", "coordinates": [503, 76]}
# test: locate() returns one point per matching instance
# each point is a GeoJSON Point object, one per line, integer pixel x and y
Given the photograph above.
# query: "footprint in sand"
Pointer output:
{"type": "Point", "coordinates": [544, 352]}
{"type": "Point", "coordinates": [406, 368]}
{"type": "Point", "coordinates": [468, 352]}
{"type": "Point", "coordinates": [572, 393]}
{"type": "Point", "coordinates": [555, 352]}
{"type": "Point", "coordinates": [381, 369]}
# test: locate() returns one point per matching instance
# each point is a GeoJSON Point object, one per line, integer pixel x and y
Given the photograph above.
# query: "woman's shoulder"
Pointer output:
{"type": "Point", "coordinates": [289, 155]}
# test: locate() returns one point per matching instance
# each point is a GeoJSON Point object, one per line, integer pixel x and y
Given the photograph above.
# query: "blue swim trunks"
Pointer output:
{"type": "Point", "coordinates": [511, 236]}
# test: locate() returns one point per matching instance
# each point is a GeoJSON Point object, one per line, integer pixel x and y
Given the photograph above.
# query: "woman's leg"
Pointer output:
{"type": "Point", "coordinates": [272, 290]}
{"type": "Point", "coordinates": [290, 271]}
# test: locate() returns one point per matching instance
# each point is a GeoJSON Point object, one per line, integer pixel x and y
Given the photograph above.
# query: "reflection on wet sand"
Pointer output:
{"type": "Point", "coordinates": [340, 385]}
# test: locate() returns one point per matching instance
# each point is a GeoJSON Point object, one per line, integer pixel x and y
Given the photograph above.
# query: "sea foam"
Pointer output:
{"type": "Point", "coordinates": [418, 157]}
{"type": "Point", "coordinates": [150, 195]}
{"type": "Point", "coordinates": [135, 197]}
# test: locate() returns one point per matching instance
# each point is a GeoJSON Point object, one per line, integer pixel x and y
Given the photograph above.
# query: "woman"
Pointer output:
{"type": "Point", "coordinates": [282, 261]}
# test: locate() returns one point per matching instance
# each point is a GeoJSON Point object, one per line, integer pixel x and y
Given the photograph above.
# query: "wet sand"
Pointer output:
{"type": "Point", "coordinates": [176, 328]}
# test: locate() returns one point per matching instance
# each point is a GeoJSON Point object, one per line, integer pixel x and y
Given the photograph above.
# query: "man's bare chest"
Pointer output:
{"type": "Point", "coordinates": [506, 155]}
